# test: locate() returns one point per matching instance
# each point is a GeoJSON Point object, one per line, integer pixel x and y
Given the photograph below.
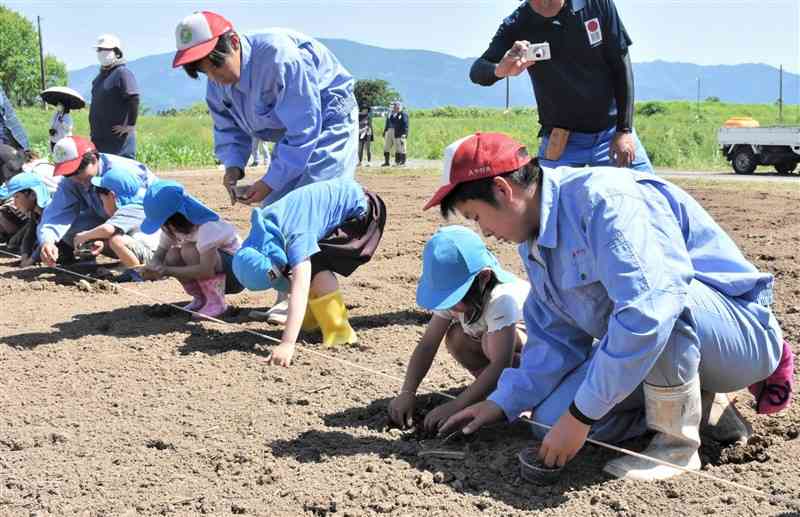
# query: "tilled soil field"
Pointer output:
{"type": "Point", "coordinates": [114, 405]}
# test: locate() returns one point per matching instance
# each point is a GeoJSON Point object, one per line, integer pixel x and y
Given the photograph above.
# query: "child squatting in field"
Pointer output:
{"type": "Point", "coordinates": [18, 224]}
{"type": "Point", "coordinates": [477, 310]}
{"type": "Point", "coordinates": [634, 262]}
{"type": "Point", "coordinates": [77, 206]}
{"type": "Point", "coordinates": [30, 196]}
{"type": "Point", "coordinates": [299, 243]}
{"type": "Point", "coordinates": [196, 247]}
{"type": "Point", "coordinates": [121, 193]}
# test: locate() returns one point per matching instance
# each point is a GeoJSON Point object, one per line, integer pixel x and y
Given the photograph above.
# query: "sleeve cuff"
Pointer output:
{"type": "Point", "coordinates": [511, 412]}
{"type": "Point", "coordinates": [579, 416]}
{"type": "Point", "coordinates": [589, 405]}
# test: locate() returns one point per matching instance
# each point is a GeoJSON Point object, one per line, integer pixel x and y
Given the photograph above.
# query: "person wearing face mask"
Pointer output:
{"type": "Point", "coordinates": [582, 78]}
{"type": "Point", "coordinates": [279, 86]}
{"type": "Point", "coordinates": [115, 101]}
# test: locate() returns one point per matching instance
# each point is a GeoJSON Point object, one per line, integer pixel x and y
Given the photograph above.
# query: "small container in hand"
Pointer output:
{"type": "Point", "coordinates": [241, 191]}
{"type": "Point", "coordinates": [534, 470]}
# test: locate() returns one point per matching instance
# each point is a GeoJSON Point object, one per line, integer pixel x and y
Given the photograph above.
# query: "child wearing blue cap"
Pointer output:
{"type": "Point", "coordinates": [299, 243]}
{"type": "Point", "coordinates": [30, 196]}
{"type": "Point", "coordinates": [196, 247]}
{"type": "Point", "coordinates": [477, 310]}
{"type": "Point", "coordinates": [14, 221]}
{"type": "Point", "coordinates": [121, 193]}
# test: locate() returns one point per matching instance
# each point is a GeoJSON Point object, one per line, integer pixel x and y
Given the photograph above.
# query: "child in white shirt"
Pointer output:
{"type": "Point", "coordinates": [477, 310]}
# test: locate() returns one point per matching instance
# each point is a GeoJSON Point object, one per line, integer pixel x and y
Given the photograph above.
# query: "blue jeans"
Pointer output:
{"type": "Point", "coordinates": [591, 150]}
{"type": "Point", "coordinates": [731, 343]}
{"type": "Point", "coordinates": [128, 149]}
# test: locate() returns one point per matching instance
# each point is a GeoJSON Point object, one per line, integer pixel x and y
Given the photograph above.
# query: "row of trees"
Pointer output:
{"type": "Point", "coordinates": [19, 60]}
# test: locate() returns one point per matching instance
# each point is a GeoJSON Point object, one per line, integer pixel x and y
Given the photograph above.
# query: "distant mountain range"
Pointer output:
{"type": "Point", "coordinates": [428, 79]}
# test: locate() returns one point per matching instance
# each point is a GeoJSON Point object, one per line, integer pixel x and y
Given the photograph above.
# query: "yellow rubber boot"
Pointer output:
{"type": "Point", "coordinates": [331, 314]}
{"type": "Point", "coordinates": [309, 321]}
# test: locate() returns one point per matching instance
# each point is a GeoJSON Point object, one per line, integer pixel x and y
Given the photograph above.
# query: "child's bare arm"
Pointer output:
{"type": "Point", "coordinates": [206, 268]}
{"type": "Point", "coordinates": [501, 354]}
{"type": "Point", "coordinates": [422, 357]}
{"type": "Point", "coordinates": [299, 286]}
{"type": "Point", "coordinates": [401, 408]}
{"type": "Point", "coordinates": [158, 256]}
{"type": "Point", "coordinates": [98, 233]}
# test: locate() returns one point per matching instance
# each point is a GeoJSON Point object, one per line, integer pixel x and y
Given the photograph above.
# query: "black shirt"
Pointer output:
{"type": "Point", "coordinates": [589, 70]}
{"type": "Point", "coordinates": [115, 101]}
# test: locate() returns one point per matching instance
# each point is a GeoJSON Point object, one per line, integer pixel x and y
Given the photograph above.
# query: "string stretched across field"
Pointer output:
{"type": "Point", "coordinates": [308, 349]}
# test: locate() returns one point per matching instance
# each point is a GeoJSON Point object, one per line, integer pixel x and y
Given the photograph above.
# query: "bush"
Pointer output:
{"type": "Point", "coordinates": [648, 109]}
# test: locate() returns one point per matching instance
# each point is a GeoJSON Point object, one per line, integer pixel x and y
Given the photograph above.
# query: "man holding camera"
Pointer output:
{"type": "Point", "coordinates": [576, 52]}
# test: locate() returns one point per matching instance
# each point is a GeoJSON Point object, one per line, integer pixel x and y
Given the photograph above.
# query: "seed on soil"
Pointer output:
{"type": "Point", "coordinates": [618, 505]}
{"type": "Point", "coordinates": [425, 479]}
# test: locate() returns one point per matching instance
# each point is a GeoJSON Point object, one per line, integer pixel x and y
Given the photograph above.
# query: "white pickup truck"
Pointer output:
{"type": "Point", "coordinates": [748, 147]}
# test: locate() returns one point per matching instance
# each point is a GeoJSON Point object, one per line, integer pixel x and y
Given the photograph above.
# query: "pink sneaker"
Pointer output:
{"type": "Point", "coordinates": [774, 393]}
{"type": "Point", "coordinates": [192, 288]}
{"type": "Point", "coordinates": [214, 292]}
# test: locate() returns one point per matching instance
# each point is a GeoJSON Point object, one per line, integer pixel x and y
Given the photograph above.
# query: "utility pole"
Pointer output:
{"type": "Point", "coordinates": [41, 56]}
{"type": "Point", "coordinates": [508, 93]}
{"type": "Point", "coordinates": [780, 96]}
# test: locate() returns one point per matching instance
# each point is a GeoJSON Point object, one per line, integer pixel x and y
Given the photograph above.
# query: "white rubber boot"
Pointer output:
{"type": "Point", "coordinates": [674, 413]}
{"type": "Point", "coordinates": [276, 314]}
{"type": "Point", "coordinates": [722, 422]}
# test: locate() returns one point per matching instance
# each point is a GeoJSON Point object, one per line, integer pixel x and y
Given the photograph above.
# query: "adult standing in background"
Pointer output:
{"type": "Point", "coordinates": [260, 153]}
{"type": "Point", "coordinates": [365, 134]}
{"type": "Point", "coordinates": [11, 131]}
{"type": "Point", "coordinates": [584, 91]}
{"type": "Point", "coordinates": [115, 101]}
{"type": "Point", "coordinates": [280, 86]}
{"type": "Point", "coordinates": [394, 134]}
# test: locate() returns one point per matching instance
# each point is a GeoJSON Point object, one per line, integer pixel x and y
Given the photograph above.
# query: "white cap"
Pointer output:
{"type": "Point", "coordinates": [108, 41]}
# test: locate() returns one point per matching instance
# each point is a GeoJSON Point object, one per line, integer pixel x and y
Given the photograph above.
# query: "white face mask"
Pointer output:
{"type": "Point", "coordinates": [106, 57]}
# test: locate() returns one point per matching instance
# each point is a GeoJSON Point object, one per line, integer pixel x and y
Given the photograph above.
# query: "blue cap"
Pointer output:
{"type": "Point", "coordinates": [451, 260]}
{"type": "Point", "coordinates": [165, 198]}
{"type": "Point", "coordinates": [27, 181]}
{"type": "Point", "coordinates": [261, 261]}
{"type": "Point", "coordinates": [124, 184]}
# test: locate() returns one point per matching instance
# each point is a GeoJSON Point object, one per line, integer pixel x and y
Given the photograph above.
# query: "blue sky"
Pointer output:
{"type": "Point", "coordinates": [695, 31]}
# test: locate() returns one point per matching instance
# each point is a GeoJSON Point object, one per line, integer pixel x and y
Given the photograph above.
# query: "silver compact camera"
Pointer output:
{"type": "Point", "coordinates": [538, 52]}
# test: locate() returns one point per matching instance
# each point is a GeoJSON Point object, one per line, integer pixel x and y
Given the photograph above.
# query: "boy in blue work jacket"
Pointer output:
{"type": "Point", "coordinates": [635, 263]}
{"type": "Point", "coordinates": [278, 86]}
{"type": "Point", "coordinates": [76, 205]}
